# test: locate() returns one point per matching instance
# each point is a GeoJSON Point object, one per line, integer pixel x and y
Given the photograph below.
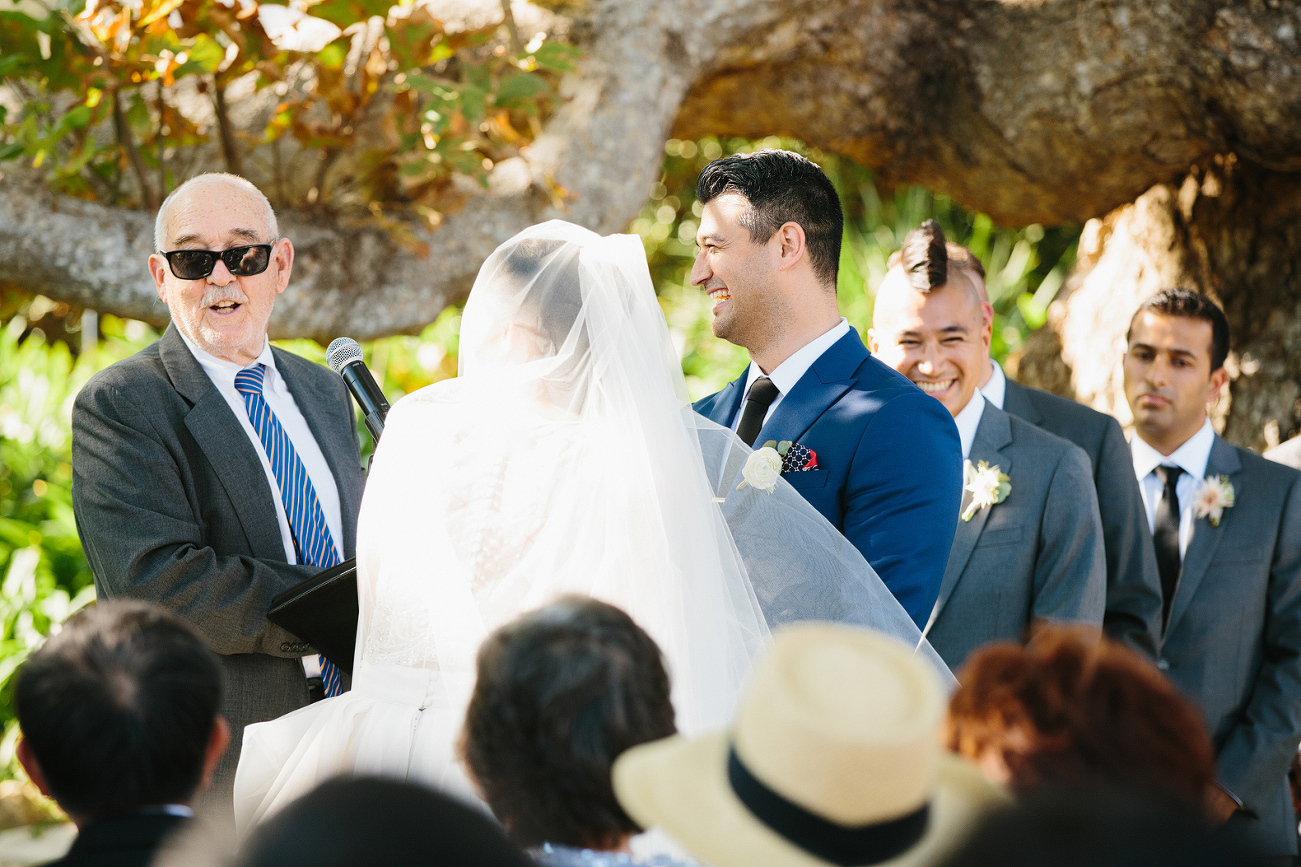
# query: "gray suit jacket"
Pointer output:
{"type": "Point", "coordinates": [1133, 583]}
{"type": "Point", "coordinates": [1233, 642]}
{"type": "Point", "coordinates": [1036, 555]}
{"type": "Point", "coordinates": [173, 507]}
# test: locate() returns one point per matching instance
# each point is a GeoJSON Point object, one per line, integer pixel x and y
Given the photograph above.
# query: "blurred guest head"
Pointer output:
{"type": "Point", "coordinates": [1072, 707]}
{"type": "Point", "coordinates": [560, 693]}
{"type": "Point", "coordinates": [1087, 827]}
{"type": "Point", "coordinates": [834, 757]}
{"type": "Point", "coordinates": [1174, 365]}
{"type": "Point", "coordinates": [930, 322]}
{"type": "Point", "coordinates": [348, 822]}
{"type": "Point", "coordinates": [118, 712]}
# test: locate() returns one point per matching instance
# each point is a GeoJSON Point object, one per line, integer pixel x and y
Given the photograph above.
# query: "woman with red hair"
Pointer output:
{"type": "Point", "coordinates": [1074, 708]}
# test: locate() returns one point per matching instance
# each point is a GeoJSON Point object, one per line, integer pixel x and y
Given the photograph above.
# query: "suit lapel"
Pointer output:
{"type": "Point", "coordinates": [1206, 538]}
{"type": "Point", "coordinates": [993, 436]}
{"type": "Point", "coordinates": [328, 424]}
{"type": "Point", "coordinates": [721, 409]}
{"type": "Point", "coordinates": [227, 448]}
{"type": "Point", "coordinates": [822, 385]}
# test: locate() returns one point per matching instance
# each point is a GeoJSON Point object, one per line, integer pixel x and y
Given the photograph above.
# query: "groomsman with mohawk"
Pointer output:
{"type": "Point", "coordinates": [1029, 541]}
{"type": "Point", "coordinates": [1133, 589]}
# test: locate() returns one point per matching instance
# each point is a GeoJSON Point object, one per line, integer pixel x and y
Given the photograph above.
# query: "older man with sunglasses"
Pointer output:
{"type": "Point", "coordinates": [211, 471]}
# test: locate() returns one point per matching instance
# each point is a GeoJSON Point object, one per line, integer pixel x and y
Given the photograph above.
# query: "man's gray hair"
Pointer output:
{"type": "Point", "coordinates": [160, 222]}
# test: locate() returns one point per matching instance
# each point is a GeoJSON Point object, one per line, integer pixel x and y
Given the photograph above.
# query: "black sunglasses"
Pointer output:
{"type": "Point", "coordinates": [240, 261]}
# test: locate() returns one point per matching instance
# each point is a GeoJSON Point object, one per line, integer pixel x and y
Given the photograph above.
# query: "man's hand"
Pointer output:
{"type": "Point", "coordinates": [1219, 805]}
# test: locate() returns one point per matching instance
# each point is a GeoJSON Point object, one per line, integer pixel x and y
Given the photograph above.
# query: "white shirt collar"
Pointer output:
{"type": "Point", "coordinates": [968, 419]}
{"type": "Point", "coordinates": [1191, 457]}
{"type": "Point", "coordinates": [995, 391]}
{"type": "Point", "coordinates": [792, 370]}
{"type": "Point", "coordinates": [221, 370]}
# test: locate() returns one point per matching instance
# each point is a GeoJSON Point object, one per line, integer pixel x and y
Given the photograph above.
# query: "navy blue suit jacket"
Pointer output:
{"type": "Point", "coordinates": [889, 473]}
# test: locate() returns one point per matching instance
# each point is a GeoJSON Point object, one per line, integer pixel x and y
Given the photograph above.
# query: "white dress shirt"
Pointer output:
{"type": "Point", "coordinates": [968, 419]}
{"type": "Point", "coordinates": [276, 393]}
{"type": "Point", "coordinates": [1191, 457]}
{"type": "Point", "coordinates": [995, 391]}
{"type": "Point", "coordinates": [792, 370]}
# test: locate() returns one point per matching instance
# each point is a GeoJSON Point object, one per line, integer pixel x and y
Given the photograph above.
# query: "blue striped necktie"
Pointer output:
{"type": "Point", "coordinates": [312, 537]}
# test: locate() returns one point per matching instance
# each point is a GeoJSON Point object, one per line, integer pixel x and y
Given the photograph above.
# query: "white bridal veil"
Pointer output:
{"type": "Point", "coordinates": [565, 458]}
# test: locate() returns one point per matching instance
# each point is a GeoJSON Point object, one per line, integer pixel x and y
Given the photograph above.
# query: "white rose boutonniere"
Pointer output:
{"type": "Point", "coordinates": [987, 485]}
{"type": "Point", "coordinates": [1214, 495]}
{"type": "Point", "coordinates": [762, 469]}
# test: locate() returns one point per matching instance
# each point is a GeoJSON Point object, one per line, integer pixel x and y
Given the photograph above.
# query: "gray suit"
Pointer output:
{"type": "Point", "coordinates": [1233, 642]}
{"type": "Point", "coordinates": [173, 507]}
{"type": "Point", "coordinates": [1133, 583]}
{"type": "Point", "coordinates": [1036, 555]}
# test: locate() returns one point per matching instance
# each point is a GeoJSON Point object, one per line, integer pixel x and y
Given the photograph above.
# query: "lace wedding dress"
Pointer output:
{"type": "Point", "coordinates": [565, 458]}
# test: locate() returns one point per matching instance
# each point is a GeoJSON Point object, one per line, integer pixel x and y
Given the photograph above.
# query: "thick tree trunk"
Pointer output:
{"type": "Point", "coordinates": [1232, 230]}
{"type": "Point", "coordinates": [1052, 111]}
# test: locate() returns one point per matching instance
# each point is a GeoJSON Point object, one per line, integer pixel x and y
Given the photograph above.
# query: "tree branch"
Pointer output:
{"type": "Point", "coordinates": [229, 149]}
{"type": "Point", "coordinates": [1015, 109]}
{"type": "Point", "coordinates": [128, 143]}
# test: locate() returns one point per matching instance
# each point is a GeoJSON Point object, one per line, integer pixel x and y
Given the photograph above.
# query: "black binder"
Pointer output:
{"type": "Point", "coordinates": [323, 610]}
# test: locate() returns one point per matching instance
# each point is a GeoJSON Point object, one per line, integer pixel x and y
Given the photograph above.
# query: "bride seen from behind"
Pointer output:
{"type": "Point", "coordinates": [564, 458]}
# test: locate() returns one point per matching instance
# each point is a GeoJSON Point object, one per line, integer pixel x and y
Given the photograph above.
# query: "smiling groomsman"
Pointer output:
{"type": "Point", "coordinates": [211, 471]}
{"type": "Point", "coordinates": [1133, 588]}
{"type": "Point", "coordinates": [885, 471]}
{"type": "Point", "coordinates": [1029, 543]}
{"type": "Point", "coordinates": [1226, 528]}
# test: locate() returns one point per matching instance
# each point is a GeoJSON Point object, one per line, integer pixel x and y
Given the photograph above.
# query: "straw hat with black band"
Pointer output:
{"type": "Point", "coordinates": [834, 758]}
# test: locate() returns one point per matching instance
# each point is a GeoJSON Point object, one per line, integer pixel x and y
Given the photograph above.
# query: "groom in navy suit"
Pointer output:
{"type": "Point", "coordinates": [884, 464]}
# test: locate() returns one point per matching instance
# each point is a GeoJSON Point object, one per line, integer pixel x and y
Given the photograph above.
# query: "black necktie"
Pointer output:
{"type": "Point", "coordinates": [761, 396]}
{"type": "Point", "coordinates": [1166, 536]}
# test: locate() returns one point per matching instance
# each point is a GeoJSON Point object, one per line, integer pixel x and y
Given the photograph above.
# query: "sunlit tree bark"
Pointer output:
{"type": "Point", "coordinates": [1176, 125]}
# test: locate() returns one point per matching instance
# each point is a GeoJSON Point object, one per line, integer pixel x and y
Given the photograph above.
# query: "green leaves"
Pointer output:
{"type": "Point", "coordinates": [556, 57]}
{"type": "Point", "coordinates": [101, 96]}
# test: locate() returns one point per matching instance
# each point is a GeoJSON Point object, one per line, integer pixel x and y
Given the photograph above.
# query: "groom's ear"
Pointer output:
{"type": "Point", "coordinates": [791, 245]}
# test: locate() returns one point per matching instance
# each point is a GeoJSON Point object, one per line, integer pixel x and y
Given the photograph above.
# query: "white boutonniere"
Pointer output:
{"type": "Point", "coordinates": [987, 485]}
{"type": "Point", "coordinates": [1214, 495]}
{"type": "Point", "coordinates": [762, 469]}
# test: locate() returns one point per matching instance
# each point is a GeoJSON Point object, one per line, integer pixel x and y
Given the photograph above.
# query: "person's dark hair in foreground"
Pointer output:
{"type": "Point", "coordinates": [561, 692]}
{"type": "Point", "coordinates": [1074, 708]}
{"type": "Point", "coordinates": [353, 821]}
{"type": "Point", "coordinates": [1084, 827]}
{"type": "Point", "coordinates": [118, 711]}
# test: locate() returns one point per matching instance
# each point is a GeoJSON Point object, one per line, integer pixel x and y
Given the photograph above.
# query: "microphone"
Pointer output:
{"type": "Point", "coordinates": [344, 358]}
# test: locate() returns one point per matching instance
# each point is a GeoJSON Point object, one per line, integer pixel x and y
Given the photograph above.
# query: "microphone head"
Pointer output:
{"type": "Point", "coordinates": [342, 351]}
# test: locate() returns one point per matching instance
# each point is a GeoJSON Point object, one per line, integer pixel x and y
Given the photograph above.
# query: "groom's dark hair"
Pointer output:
{"type": "Point", "coordinates": [561, 692]}
{"type": "Point", "coordinates": [782, 187]}
{"type": "Point", "coordinates": [118, 708]}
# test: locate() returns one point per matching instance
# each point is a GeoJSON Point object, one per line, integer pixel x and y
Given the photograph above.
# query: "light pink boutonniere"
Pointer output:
{"type": "Point", "coordinates": [1214, 495]}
